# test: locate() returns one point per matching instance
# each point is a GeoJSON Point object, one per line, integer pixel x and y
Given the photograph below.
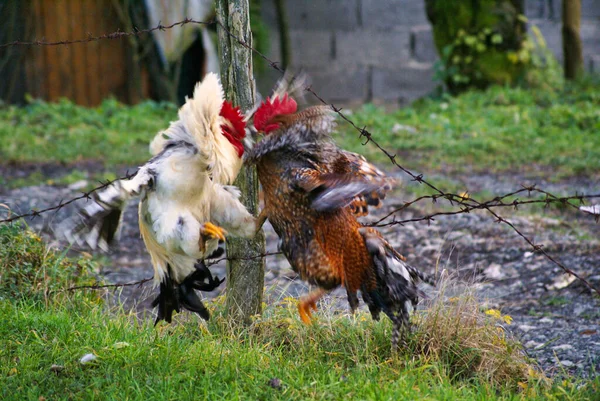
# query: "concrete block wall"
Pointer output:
{"type": "Point", "coordinates": [383, 50]}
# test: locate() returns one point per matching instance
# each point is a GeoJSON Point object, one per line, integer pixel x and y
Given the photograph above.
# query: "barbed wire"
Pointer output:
{"type": "Point", "coordinates": [113, 35]}
{"type": "Point", "coordinates": [496, 202]}
{"type": "Point", "coordinates": [139, 283]}
{"type": "Point", "coordinates": [85, 195]}
{"type": "Point", "coordinates": [468, 203]}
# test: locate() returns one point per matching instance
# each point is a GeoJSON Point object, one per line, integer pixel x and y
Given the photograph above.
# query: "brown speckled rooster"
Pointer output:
{"type": "Point", "coordinates": [313, 192]}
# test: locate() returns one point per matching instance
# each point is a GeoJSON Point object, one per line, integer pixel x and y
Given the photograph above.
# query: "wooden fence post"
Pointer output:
{"type": "Point", "coordinates": [572, 48]}
{"type": "Point", "coordinates": [245, 277]}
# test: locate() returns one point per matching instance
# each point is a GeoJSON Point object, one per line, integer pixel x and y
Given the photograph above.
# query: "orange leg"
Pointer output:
{"type": "Point", "coordinates": [309, 302]}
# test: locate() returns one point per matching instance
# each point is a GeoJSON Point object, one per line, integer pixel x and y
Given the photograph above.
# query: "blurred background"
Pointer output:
{"type": "Point", "coordinates": [355, 51]}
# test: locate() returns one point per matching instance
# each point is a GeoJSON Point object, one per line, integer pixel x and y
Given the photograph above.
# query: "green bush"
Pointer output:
{"type": "Point", "coordinates": [30, 270]}
{"type": "Point", "coordinates": [486, 43]}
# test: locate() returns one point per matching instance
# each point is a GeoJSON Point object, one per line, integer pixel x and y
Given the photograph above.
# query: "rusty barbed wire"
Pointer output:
{"type": "Point", "coordinates": [468, 203]}
{"type": "Point", "coordinates": [113, 35]}
{"type": "Point", "coordinates": [139, 283]}
{"type": "Point", "coordinates": [495, 202]}
{"type": "Point", "coordinates": [85, 195]}
{"type": "Point", "coordinates": [99, 286]}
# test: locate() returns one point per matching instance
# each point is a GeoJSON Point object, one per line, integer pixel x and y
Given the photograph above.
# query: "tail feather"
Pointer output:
{"type": "Point", "coordinates": [396, 292]}
{"type": "Point", "coordinates": [98, 224]}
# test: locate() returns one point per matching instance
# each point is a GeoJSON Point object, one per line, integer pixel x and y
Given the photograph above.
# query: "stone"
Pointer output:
{"type": "Point", "coordinates": [367, 47]}
{"type": "Point", "coordinates": [422, 45]}
{"type": "Point", "coordinates": [543, 9]}
{"type": "Point", "coordinates": [404, 83]}
{"type": "Point", "coordinates": [339, 83]}
{"type": "Point", "coordinates": [494, 272]}
{"type": "Point", "coordinates": [311, 48]}
{"type": "Point", "coordinates": [387, 14]}
{"type": "Point", "coordinates": [551, 31]}
{"type": "Point", "coordinates": [562, 347]}
{"type": "Point", "coordinates": [526, 328]}
{"type": "Point", "coordinates": [323, 14]}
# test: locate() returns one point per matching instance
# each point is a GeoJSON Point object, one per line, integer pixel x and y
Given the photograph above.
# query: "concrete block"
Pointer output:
{"type": "Point", "coordinates": [405, 83]}
{"type": "Point", "coordinates": [422, 45]}
{"type": "Point", "coordinates": [323, 14]}
{"type": "Point", "coordinates": [311, 48]}
{"type": "Point", "coordinates": [552, 9]}
{"type": "Point", "coordinates": [389, 14]}
{"type": "Point", "coordinates": [339, 83]}
{"type": "Point", "coordinates": [551, 31]}
{"type": "Point", "coordinates": [373, 47]}
{"type": "Point", "coordinates": [543, 9]}
{"type": "Point", "coordinates": [590, 38]}
{"type": "Point", "coordinates": [593, 64]}
{"type": "Point", "coordinates": [590, 10]}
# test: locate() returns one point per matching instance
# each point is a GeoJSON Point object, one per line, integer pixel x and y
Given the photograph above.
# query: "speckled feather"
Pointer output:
{"type": "Point", "coordinates": [313, 191]}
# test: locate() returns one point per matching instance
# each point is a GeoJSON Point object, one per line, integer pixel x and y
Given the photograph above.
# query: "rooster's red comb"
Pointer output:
{"type": "Point", "coordinates": [234, 115]}
{"type": "Point", "coordinates": [271, 108]}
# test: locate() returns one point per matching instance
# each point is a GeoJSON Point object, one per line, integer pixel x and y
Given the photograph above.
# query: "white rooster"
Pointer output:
{"type": "Point", "coordinates": [186, 205]}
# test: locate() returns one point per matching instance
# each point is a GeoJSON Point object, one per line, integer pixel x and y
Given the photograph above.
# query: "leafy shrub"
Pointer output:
{"type": "Point", "coordinates": [31, 271]}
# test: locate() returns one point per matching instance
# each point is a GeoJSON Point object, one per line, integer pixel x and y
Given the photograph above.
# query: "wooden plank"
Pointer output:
{"type": "Point", "coordinates": [79, 54]}
{"type": "Point", "coordinates": [118, 56]}
{"type": "Point", "coordinates": [58, 57]}
{"type": "Point", "coordinates": [51, 53]}
{"type": "Point", "coordinates": [105, 51]}
{"type": "Point", "coordinates": [94, 80]}
{"type": "Point", "coordinates": [37, 76]}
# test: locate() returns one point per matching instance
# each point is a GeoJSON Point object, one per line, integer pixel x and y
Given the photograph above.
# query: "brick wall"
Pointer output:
{"type": "Point", "coordinates": [382, 50]}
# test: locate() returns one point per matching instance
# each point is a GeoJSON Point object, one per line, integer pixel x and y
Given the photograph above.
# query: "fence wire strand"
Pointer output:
{"type": "Point", "coordinates": [466, 204]}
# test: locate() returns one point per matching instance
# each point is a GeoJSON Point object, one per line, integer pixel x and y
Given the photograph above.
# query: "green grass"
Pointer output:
{"type": "Point", "coordinates": [501, 129]}
{"type": "Point", "coordinates": [63, 132]}
{"type": "Point", "coordinates": [456, 352]}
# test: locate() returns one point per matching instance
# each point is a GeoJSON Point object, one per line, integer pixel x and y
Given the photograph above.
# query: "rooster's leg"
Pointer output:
{"type": "Point", "coordinates": [260, 220]}
{"type": "Point", "coordinates": [309, 302]}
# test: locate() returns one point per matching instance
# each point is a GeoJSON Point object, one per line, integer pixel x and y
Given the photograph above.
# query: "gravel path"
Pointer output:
{"type": "Point", "coordinates": [557, 319]}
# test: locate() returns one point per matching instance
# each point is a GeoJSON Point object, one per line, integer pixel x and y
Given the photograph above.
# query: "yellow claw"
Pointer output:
{"type": "Point", "coordinates": [209, 230]}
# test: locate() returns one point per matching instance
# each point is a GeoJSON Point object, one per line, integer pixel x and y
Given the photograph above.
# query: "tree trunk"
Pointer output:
{"type": "Point", "coordinates": [245, 267]}
{"type": "Point", "coordinates": [572, 48]}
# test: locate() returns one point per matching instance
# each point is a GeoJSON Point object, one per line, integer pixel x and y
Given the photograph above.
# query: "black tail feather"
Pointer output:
{"type": "Point", "coordinates": [167, 300]}
{"type": "Point", "coordinates": [396, 290]}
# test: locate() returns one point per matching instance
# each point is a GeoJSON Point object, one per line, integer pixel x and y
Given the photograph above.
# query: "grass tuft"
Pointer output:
{"type": "Point", "coordinates": [456, 352]}
{"type": "Point", "coordinates": [30, 270]}
{"type": "Point", "coordinates": [470, 342]}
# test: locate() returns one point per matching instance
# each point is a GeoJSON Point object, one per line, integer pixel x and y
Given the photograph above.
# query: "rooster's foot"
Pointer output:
{"type": "Point", "coordinates": [209, 231]}
{"type": "Point", "coordinates": [309, 302]}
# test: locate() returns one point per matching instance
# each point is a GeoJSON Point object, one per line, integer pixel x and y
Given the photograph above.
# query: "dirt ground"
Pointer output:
{"type": "Point", "coordinates": [557, 319]}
